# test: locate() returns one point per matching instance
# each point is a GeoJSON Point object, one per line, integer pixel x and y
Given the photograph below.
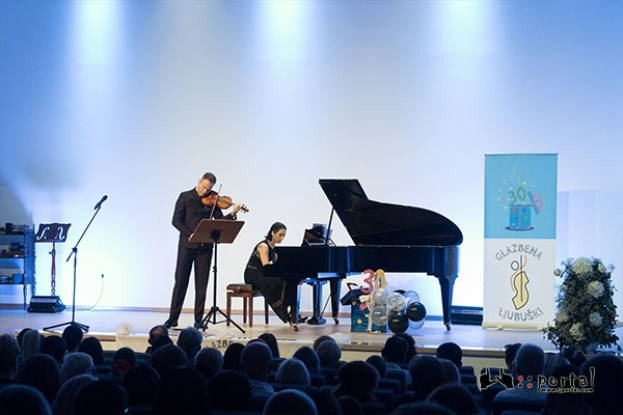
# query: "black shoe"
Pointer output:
{"type": "Point", "coordinates": [198, 325]}
{"type": "Point", "coordinates": [168, 324]}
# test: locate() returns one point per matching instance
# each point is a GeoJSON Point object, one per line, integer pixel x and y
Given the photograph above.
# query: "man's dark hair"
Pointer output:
{"type": "Point", "coordinates": [210, 176]}
{"type": "Point", "coordinates": [72, 336]}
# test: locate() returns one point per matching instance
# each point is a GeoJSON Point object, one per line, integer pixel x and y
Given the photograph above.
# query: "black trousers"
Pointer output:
{"type": "Point", "coordinates": [189, 254]}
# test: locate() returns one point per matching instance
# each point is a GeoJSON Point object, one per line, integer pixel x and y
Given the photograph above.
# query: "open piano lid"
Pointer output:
{"type": "Point", "coordinates": [374, 223]}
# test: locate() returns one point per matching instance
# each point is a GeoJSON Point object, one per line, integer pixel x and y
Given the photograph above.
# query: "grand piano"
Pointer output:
{"type": "Point", "coordinates": [395, 238]}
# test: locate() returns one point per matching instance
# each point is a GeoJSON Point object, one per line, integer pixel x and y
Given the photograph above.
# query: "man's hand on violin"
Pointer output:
{"type": "Point", "coordinates": [235, 209]}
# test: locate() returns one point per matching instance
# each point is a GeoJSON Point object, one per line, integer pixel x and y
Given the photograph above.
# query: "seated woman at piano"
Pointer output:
{"type": "Point", "coordinates": [280, 294]}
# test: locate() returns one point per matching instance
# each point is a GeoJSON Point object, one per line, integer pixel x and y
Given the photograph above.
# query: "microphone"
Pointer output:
{"type": "Point", "coordinates": [99, 204]}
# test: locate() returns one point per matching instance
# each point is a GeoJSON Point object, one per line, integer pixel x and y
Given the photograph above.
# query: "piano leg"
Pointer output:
{"type": "Point", "coordinates": [446, 283]}
{"type": "Point", "coordinates": [335, 285]}
{"type": "Point", "coordinates": [316, 284]}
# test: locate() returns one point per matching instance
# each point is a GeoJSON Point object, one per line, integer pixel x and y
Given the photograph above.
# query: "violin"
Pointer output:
{"type": "Point", "coordinates": [223, 202]}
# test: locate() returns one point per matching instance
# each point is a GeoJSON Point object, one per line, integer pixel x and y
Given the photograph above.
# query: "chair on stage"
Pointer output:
{"type": "Point", "coordinates": [247, 293]}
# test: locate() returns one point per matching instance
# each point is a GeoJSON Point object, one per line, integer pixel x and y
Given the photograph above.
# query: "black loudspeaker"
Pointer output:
{"type": "Point", "coordinates": [466, 315]}
{"type": "Point", "coordinates": [45, 304]}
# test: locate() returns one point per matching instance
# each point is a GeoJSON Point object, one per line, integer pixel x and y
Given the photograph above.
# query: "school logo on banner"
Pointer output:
{"type": "Point", "coordinates": [520, 240]}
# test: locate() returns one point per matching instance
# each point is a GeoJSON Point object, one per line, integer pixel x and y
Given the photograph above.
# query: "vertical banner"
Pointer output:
{"type": "Point", "coordinates": [520, 240]}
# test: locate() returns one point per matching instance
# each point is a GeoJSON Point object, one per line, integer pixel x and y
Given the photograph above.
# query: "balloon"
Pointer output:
{"type": "Point", "coordinates": [397, 321]}
{"type": "Point", "coordinates": [378, 315]}
{"type": "Point", "coordinates": [416, 311]}
{"type": "Point", "coordinates": [411, 296]}
{"type": "Point", "coordinates": [380, 296]}
{"type": "Point", "coordinates": [416, 325]}
{"type": "Point", "coordinates": [400, 291]}
{"type": "Point", "coordinates": [396, 301]}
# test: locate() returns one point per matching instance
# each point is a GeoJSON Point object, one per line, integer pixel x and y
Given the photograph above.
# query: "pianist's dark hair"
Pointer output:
{"type": "Point", "coordinates": [277, 226]}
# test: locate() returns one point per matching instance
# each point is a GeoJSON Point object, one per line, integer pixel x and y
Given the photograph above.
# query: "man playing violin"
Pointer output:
{"type": "Point", "coordinates": [189, 211]}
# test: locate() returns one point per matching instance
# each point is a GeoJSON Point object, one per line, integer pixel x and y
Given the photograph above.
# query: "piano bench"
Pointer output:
{"type": "Point", "coordinates": [247, 293]}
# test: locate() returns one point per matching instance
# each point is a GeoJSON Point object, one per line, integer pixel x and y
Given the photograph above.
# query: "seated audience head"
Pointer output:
{"type": "Point", "coordinates": [455, 397]}
{"type": "Point", "coordinates": [122, 361]}
{"type": "Point", "coordinates": [574, 355]}
{"type": "Point", "coordinates": [54, 346]}
{"type": "Point", "coordinates": [20, 335]}
{"type": "Point", "coordinates": [23, 399]}
{"type": "Point", "coordinates": [167, 357]}
{"type": "Point", "coordinates": [379, 364]}
{"type": "Point", "coordinates": [293, 372]}
{"type": "Point", "coordinates": [271, 341]}
{"type": "Point", "coordinates": [154, 334]}
{"type": "Point", "coordinates": [9, 356]}
{"type": "Point", "coordinates": [329, 353]}
{"type": "Point", "coordinates": [395, 350]}
{"type": "Point", "coordinates": [31, 343]}
{"type": "Point", "coordinates": [357, 379]}
{"type": "Point", "coordinates": [426, 375]}
{"type": "Point", "coordinates": [181, 391]}
{"type": "Point", "coordinates": [72, 336]}
{"type": "Point", "coordinates": [319, 340]}
{"type": "Point", "coordinates": [453, 375]}
{"type": "Point", "coordinates": [509, 354]}
{"type": "Point", "coordinates": [229, 390]}
{"type": "Point", "coordinates": [411, 350]}
{"type": "Point", "coordinates": [290, 402]}
{"type": "Point", "coordinates": [231, 357]}
{"type": "Point", "coordinates": [141, 383]}
{"type": "Point", "coordinates": [529, 361]}
{"type": "Point", "coordinates": [325, 402]}
{"type": "Point", "coordinates": [66, 396]}
{"type": "Point", "coordinates": [310, 359]}
{"type": "Point", "coordinates": [93, 347]}
{"type": "Point", "coordinates": [190, 340]}
{"type": "Point", "coordinates": [209, 361]}
{"type": "Point", "coordinates": [608, 383]}
{"type": "Point", "coordinates": [552, 362]}
{"type": "Point", "coordinates": [452, 352]}
{"type": "Point", "coordinates": [41, 372]}
{"type": "Point", "coordinates": [567, 403]}
{"type": "Point", "coordinates": [103, 396]}
{"type": "Point", "coordinates": [75, 364]}
{"type": "Point", "coordinates": [256, 360]}
{"type": "Point", "coordinates": [159, 342]}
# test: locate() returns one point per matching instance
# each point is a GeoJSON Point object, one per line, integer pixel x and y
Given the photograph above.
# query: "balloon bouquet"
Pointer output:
{"type": "Point", "coordinates": [399, 310]}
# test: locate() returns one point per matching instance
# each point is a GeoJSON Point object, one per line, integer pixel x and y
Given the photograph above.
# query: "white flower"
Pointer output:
{"type": "Point", "coordinates": [557, 272]}
{"type": "Point", "coordinates": [595, 289]}
{"type": "Point", "coordinates": [581, 265]}
{"type": "Point", "coordinates": [576, 331]}
{"type": "Point", "coordinates": [563, 287]}
{"type": "Point", "coordinates": [595, 319]}
{"type": "Point", "coordinates": [561, 316]}
{"type": "Point", "coordinates": [601, 267]}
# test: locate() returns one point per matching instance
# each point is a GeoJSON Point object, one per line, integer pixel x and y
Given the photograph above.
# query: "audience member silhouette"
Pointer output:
{"type": "Point", "coordinates": [379, 364]}
{"type": "Point", "coordinates": [552, 362]}
{"type": "Point", "coordinates": [319, 340]}
{"type": "Point", "coordinates": [271, 341]}
{"type": "Point", "coordinates": [290, 402]}
{"type": "Point", "coordinates": [54, 346]}
{"type": "Point", "coordinates": [72, 335]}
{"type": "Point", "coordinates": [411, 350]}
{"type": "Point", "coordinates": [23, 399]}
{"type": "Point", "coordinates": [231, 357]}
{"type": "Point", "coordinates": [455, 397]}
{"type": "Point", "coordinates": [41, 372]}
{"type": "Point", "coordinates": [103, 396]}
{"type": "Point", "coordinates": [93, 347]}
{"type": "Point", "coordinates": [167, 357]}
{"type": "Point", "coordinates": [31, 343]}
{"type": "Point", "coordinates": [123, 359]}
{"type": "Point", "coordinates": [66, 396]}
{"type": "Point", "coordinates": [567, 403]}
{"type": "Point", "coordinates": [329, 353]}
{"type": "Point", "coordinates": [181, 391]}
{"type": "Point", "coordinates": [510, 350]}
{"type": "Point", "coordinates": [574, 355]}
{"type": "Point", "coordinates": [310, 359]}
{"type": "Point", "coordinates": [229, 390]}
{"type": "Point", "coordinates": [154, 333]}
{"type": "Point", "coordinates": [394, 353]}
{"type": "Point", "coordinates": [608, 383]}
{"type": "Point", "coordinates": [9, 357]}
{"type": "Point", "coordinates": [190, 340]}
{"type": "Point", "coordinates": [75, 364]}
{"type": "Point", "coordinates": [141, 384]}
{"type": "Point", "coordinates": [426, 375]}
{"type": "Point", "coordinates": [451, 371]}
{"type": "Point", "coordinates": [357, 379]}
{"type": "Point", "coordinates": [452, 352]}
{"type": "Point", "coordinates": [209, 361]}
{"type": "Point", "coordinates": [326, 403]}
{"type": "Point", "coordinates": [293, 372]}
{"type": "Point", "coordinates": [256, 360]}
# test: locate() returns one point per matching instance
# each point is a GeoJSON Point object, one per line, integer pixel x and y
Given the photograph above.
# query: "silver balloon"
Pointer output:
{"type": "Point", "coordinates": [380, 296]}
{"type": "Point", "coordinates": [378, 315]}
{"type": "Point", "coordinates": [396, 301]}
{"type": "Point", "coordinates": [411, 296]}
{"type": "Point", "coordinates": [416, 325]}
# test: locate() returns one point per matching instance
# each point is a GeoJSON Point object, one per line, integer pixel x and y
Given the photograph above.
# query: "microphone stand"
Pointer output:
{"type": "Point", "coordinates": [74, 253]}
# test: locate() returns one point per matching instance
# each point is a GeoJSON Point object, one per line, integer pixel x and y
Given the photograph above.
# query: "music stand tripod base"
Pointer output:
{"type": "Point", "coordinates": [216, 231]}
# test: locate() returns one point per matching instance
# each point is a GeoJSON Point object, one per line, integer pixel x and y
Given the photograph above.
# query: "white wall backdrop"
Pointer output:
{"type": "Point", "coordinates": [136, 100]}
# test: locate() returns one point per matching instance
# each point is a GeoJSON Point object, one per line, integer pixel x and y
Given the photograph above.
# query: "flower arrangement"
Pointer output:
{"type": "Point", "coordinates": [586, 316]}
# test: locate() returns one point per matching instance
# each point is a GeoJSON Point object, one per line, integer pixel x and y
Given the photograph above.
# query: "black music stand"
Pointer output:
{"type": "Point", "coordinates": [216, 231]}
